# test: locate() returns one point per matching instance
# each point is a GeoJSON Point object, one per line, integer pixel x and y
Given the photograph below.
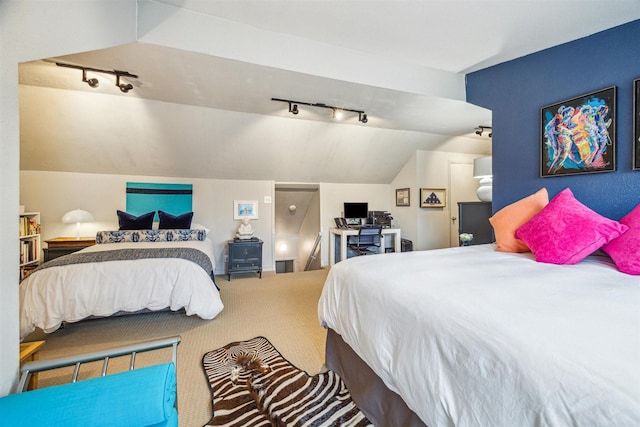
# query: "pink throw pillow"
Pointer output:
{"type": "Point", "coordinates": [566, 231]}
{"type": "Point", "coordinates": [625, 250]}
{"type": "Point", "coordinates": [507, 220]}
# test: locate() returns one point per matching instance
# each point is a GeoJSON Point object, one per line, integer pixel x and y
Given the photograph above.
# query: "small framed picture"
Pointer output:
{"type": "Point", "coordinates": [402, 197]}
{"type": "Point", "coordinates": [245, 209]}
{"type": "Point", "coordinates": [433, 197]}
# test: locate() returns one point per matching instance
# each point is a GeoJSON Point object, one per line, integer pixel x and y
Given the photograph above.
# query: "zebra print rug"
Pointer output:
{"type": "Point", "coordinates": [253, 385]}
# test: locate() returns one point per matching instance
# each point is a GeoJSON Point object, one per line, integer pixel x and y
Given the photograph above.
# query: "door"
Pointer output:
{"type": "Point", "coordinates": [463, 187]}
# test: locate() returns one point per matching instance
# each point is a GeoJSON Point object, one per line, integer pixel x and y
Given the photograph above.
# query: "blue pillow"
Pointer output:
{"type": "Point", "coordinates": [175, 222]}
{"type": "Point", "coordinates": [127, 221]}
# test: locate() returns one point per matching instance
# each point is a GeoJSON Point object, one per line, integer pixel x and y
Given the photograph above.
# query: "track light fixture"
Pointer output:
{"type": "Point", "coordinates": [93, 82]}
{"type": "Point", "coordinates": [293, 108]}
{"type": "Point", "coordinates": [337, 112]}
{"type": "Point", "coordinates": [480, 130]}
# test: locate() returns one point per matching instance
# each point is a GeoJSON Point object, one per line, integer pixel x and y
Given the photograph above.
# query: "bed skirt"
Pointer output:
{"type": "Point", "coordinates": [382, 406]}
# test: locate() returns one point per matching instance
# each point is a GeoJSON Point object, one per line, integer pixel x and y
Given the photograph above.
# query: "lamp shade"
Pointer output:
{"type": "Point", "coordinates": [482, 167]}
{"type": "Point", "coordinates": [77, 216]}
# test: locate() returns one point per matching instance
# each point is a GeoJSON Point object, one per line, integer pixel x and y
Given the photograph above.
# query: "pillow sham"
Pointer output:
{"type": "Point", "coordinates": [507, 220]}
{"type": "Point", "coordinates": [126, 221]}
{"type": "Point", "coordinates": [174, 222]}
{"type": "Point", "coordinates": [136, 236]}
{"type": "Point", "coordinates": [625, 250]}
{"type": "Point", "coordinates": [566, 231]}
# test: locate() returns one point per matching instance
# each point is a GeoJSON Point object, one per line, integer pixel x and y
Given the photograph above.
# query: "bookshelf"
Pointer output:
{"type": "Point", "coordinates": [29, 233]}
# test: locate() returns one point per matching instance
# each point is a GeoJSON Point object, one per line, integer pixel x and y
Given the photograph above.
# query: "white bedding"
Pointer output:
{"type": "Point", "coordinates": [473, 337]}
{"type": "Point", "coordinates": [73, 292]}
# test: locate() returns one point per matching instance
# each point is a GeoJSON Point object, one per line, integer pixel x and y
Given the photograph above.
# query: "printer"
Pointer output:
{"type": "Point", "coordinates": [379, 218]}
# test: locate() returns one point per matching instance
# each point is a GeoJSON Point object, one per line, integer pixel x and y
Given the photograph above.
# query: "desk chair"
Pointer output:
{"type": "Point", "coordinates": [367, 241]}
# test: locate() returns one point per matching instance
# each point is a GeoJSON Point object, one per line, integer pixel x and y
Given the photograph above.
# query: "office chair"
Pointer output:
{"type": "Point", "coordinates": [367, 241]}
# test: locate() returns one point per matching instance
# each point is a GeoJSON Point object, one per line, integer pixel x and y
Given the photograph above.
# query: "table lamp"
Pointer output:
{"type": "Point", "coordinates": [77, 216]}
{"type": "Point", "coordinates": [482, 170]}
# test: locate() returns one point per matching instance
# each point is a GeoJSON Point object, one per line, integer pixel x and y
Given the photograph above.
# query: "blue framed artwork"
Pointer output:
{"type": "Point", "coordinates": [245, 209]}
{"type": "Point", "coordinates": [143, 197]}
{"type": "Point", "coordinates": [636, 124]}
{"type": "Point", "coordinates": [578, 135]}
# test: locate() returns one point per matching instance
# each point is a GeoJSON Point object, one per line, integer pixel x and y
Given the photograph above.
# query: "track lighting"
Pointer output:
{"type": "Point", "coordinates": [123, 87]}
{"type": "Point", "coordinates": [480, 130]}
{"type": "Point", "coordinates": [337, 112]}
{"type": "Point", "coordinates": [93, 82]}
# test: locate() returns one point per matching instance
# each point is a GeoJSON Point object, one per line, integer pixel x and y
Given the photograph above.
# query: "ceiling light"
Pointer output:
{"type": "Point", "coordinates": [480, 130]}
{"type": "Point", "coordinates": [124, 87]}
{"type": "Point", "coordinates": [93, 82]}
{"type": "Point", "coordinates": [338, 112]}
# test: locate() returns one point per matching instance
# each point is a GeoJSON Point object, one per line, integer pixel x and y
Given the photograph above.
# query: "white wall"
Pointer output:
{"type": "Point", "coordinates": [31, 30]}
{"type": "Point", "coordinates": [433, 224]}
{"type": "Point", "coordinates": [54, 193]}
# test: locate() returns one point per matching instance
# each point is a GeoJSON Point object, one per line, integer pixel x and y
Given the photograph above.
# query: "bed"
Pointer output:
{"type": "Point", "coordinates": [128, 271]}
{"type": "Point", "coordinates": [471, 336]}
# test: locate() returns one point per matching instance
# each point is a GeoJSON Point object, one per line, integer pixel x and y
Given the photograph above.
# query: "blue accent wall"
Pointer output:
{"type": "Point", "coordinates": [517, 90]}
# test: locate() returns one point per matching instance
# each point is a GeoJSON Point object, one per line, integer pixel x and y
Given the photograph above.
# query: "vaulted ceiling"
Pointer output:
{"type": "Point", "coordinates": [207, 70]}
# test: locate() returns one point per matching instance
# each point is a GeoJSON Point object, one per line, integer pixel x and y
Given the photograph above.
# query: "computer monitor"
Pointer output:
{"type": "Point", "coordinates": [356, 211]}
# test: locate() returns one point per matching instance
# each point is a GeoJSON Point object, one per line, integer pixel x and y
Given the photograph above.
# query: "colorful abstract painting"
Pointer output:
{"type": "Point", "coordinates": [636, 124]}
{"type": "Point", "coordinates": [578, 135]}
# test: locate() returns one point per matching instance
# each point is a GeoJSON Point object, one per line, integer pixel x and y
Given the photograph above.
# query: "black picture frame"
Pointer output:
{"type": "Point", "coordinates": [403, 197]}
{"type": "Point", "coordinates": [578, 136]}
{"type": "Point", "coordinates": [636, 124]}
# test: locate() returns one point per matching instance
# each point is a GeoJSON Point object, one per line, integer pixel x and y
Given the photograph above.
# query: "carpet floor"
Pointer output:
{"type": "Point", "coordinates": [282, 307]}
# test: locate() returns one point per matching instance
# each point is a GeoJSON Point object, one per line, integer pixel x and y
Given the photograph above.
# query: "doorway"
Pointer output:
{"type": "Point", "coordinates": [297, 227]}
{"type": "Point", "coordinates": [463, 188]}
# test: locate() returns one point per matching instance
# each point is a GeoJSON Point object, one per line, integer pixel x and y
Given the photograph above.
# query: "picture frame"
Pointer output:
{"type": "Point", "coordinates": [403, 197]}
{"type": "Point", "coordinates": [636, 124]}
{"type": "Point", "coordinates": [245, 209]}
{"type": "Point", "coordinates": [578, 136]}
{"type": "Point", "coordinates": [433, 197]}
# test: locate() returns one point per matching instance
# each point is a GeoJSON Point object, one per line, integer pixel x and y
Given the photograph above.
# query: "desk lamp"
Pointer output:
{"type": "Point", "coordinates": [482, 170]}
{"type": "Point", "coordinates": [77, 216]}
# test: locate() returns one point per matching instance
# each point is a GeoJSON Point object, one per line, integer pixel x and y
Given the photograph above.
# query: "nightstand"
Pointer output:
{"type": "Point", "coordinates": [245, 256]}
{"type": "Point", "coordinates": [30, 351]}
{"type": "Point", "coordinates": [65, 245]}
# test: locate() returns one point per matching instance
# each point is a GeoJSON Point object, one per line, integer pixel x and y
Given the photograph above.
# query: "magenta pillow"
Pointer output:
{"type": "Point", "coordinates": [566, 231]}
{"type": "Point", "coordinates": [625, 250]}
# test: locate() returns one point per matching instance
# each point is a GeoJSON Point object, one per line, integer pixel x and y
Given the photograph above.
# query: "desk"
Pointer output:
{"type": "Point", "coordinates": [341, 233]}
{"type": "Point", "coordinates": [30, 351]}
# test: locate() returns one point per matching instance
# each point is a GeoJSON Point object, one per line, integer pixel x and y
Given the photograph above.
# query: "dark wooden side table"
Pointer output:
{"type": "Point", "coordinates": [245, 256]}
{"type": "Point", "coordinates": [473, 217]}
{"type": "Point", "coordinates": [65, 245]}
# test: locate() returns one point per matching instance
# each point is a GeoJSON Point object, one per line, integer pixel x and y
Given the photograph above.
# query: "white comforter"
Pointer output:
{"type": "Point", "coordinates": [473, 337]}
{"type": "Point", "coordinates": [73, 292]}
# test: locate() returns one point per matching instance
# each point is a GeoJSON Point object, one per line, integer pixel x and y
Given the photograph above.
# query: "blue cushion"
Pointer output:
{"type": "Point", "coordinates": [168, 221]}
{"type": "Point", "coordinates": [126, 221]}
{"type": "Point", "coordinates": [142, 397]}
